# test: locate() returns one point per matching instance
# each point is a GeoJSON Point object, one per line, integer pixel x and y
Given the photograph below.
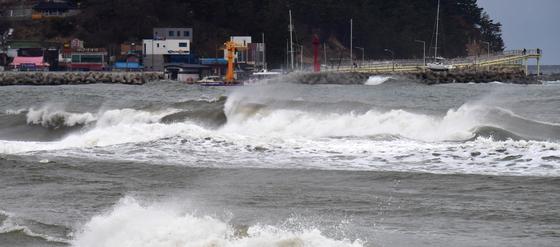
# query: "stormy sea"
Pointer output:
{"type": "Point", "coordinates": [389, 162]}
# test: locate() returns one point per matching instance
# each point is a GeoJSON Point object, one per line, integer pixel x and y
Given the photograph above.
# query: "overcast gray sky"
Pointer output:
{"type": "Point", "coordinates": [528, 24]}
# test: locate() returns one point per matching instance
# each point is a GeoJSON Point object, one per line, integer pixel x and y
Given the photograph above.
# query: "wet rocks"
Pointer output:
{"type": "Point", "coordinates": [477, 75]}
{"type": "Point", "coordinates": [73, 78]}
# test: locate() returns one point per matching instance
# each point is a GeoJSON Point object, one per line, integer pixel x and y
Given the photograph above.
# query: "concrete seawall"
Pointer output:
{"type": "Point", "coordinates": [73, 78]}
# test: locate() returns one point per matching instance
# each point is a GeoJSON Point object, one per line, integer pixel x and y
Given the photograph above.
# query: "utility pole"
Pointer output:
{"type": "Point", "coordinates": [301, 58]}
{"type": "Point", "coordinates": [351, 37]}
{"type": "Point", "coordinates": [264, 53]}
{"type": "Point", "coordinates": [392, 57]}
{"type": "Point", "coordinates": [424, 44]}
{"type": "Point", "coordinates": [325, 54]}
{"type": "Point", "coordinates": [291, 41]}
{"type": "Point", "coordinates": [488, 47]}
{"type": "Point", "coordinates": [363, 54]}
{"type": "Point", "coordinates": [287, 54]}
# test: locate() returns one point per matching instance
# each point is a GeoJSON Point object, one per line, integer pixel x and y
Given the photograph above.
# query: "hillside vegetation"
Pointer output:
{"type": "Point", "coordinates": [378, 24]}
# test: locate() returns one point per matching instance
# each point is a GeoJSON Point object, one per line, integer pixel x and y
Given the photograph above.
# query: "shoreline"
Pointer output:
{"type": "Point", "coordinates": [43, 78]}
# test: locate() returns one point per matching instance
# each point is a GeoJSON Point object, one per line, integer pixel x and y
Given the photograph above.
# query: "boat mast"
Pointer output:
{"type": "Point", "coordinates": [264, 53]}
{"type": "Point", "coordinates": [437, 30]}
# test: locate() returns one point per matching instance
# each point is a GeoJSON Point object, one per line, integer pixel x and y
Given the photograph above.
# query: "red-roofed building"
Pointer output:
{"type": "Point", "coordinates": [29, 59]}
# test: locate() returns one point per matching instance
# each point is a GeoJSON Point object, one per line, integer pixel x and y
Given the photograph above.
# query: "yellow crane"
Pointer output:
{"type": "Point", "coordinates": [230, 47]}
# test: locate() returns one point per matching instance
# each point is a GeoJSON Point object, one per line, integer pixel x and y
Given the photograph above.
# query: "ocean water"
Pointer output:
{"type": "Point", "coordinates": [387, 163]}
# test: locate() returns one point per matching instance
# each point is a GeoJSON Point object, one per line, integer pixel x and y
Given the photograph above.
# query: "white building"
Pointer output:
{"type": "Point", "coordinates": [173, 33]}
{"type": "Point", "coordinates": [158, 52]}
{"type": "Point", "coordinates": [166, 47]}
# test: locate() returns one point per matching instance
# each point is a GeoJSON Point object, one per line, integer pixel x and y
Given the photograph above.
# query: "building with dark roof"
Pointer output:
{"type": "Point", "coordinates": [49, 9]}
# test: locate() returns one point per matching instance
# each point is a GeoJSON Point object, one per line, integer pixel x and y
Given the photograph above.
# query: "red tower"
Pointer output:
{"type": "Point", "coordinates": [316, 64]}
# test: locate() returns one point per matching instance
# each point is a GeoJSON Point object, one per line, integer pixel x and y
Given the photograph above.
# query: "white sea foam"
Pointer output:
{"type": "Point", "coordinates": [455, 125]}
{"type": "Point", "coordinates": [110, 128]}
{"type": "Point", "coordinates": [377, 80]}
{"type": "Point", "coordinates": [497, 82]}
{"type": "Point", "coordinates": [14, 112]}
{"type": "Point", "coordinates": [131, 224]}
{"type": "Point", "coordinates": [347, 141]}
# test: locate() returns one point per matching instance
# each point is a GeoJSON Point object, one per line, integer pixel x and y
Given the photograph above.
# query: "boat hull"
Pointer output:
{"type": "Point", "coordinates": [220, 84]}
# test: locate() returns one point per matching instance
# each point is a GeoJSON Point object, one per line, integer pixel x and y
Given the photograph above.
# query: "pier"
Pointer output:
{"type": "Point", "coordinates": [508, 66]}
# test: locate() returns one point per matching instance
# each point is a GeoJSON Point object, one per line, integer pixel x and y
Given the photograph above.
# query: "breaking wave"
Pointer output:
{"type": "Point", "coordinates": [237, 116]}
{"type": "Point", "coordinates": [157, 225]}
{"type": "Point", "coordinates": [50, 118]}
{"type": "Point", "coordinates": [459, 124]}
{"type": "Point", "coordinates": [377, 80]}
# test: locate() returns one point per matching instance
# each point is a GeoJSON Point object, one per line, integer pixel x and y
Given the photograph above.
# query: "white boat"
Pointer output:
{"type": "Point", "coordinates": [210, 79]}
{"type": "Point", "coordinates": [438, 64]}
{"type": "Point", "coordinates": [266, 74]}
{"type": "Point", "coordinates": [262, 76]}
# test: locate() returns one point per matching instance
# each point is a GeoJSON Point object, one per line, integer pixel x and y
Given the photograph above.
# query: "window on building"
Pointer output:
{"type": "Point", "coordinates": [157, 45]}
{"type": "Point", "coordinates": [171, 33]}
{"type": "Point", "coordinates": [145, 48]}
{"type": "Point", "coordinates": [92, 58]}
{"type": "Point", "coordinates": [75, 58]}
{"type": "Point", "coordinates": [186, 33]}
{"type": "Point", "coordinates": [183, 44]}
{"type": "Point", "coordinates": [178, 33]}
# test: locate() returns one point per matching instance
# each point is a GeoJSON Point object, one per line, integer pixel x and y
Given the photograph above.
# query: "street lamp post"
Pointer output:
{"type": "Point", "coordinates": [488, 47]}
{"type": "Point", "coordinates": [301, 58]}
{"type": "Point", "coordinates": [363, 56]}
{"type": "Point", "coordinates": [392, 58]}
{"type": "Point", "coordinates": [424, 45]}
{"type": "Point", "coordinates": [351, 37]}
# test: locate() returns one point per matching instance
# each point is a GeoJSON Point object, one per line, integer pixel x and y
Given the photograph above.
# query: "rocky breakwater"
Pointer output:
{"type": "Point", "coordinates": [477, 75]}
{"type": "Point", "coordinates": [73, 78]}
{"type": "Point", "coordinates": [329, 78]}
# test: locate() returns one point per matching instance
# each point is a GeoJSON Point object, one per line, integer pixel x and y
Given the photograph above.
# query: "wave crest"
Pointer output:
{"type": "Point", "coordinates": [460, 124]}
{"type": "Point", "coordinates": [377, 80]}
{"type": "Point", "coordinates": [50, 118]}
{"type": "Point", "coordinates": [155, 225]}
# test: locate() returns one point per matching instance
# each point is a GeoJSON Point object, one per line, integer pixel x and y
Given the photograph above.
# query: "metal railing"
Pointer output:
{"type": "Point", "coordinates": [399, 65]}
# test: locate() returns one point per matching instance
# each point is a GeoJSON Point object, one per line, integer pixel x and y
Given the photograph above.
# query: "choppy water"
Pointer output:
{"type": "Point", "coordinates": [387, 163]}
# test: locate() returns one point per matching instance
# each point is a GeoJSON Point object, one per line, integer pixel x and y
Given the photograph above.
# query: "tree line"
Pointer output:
{"type": "Point", "coordinates": [378, 24]}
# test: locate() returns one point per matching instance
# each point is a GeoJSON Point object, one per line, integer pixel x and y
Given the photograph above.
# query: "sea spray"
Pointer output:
{"type": "Point", "coordinates": [130, 223]}
{"type": "Point", "coordinates": [377, 80]}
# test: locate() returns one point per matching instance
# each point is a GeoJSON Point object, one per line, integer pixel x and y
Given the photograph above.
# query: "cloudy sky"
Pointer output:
{"type": "Point", "coordinates": [529, 24]}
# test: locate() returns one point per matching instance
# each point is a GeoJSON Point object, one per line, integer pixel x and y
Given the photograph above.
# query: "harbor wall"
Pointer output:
{"type": "Point", "coordinates": [467, 75]}
{"type": "Point", "coordinates": [72, 78]}
{"type": "Point", "coordinates": [476, 75]}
